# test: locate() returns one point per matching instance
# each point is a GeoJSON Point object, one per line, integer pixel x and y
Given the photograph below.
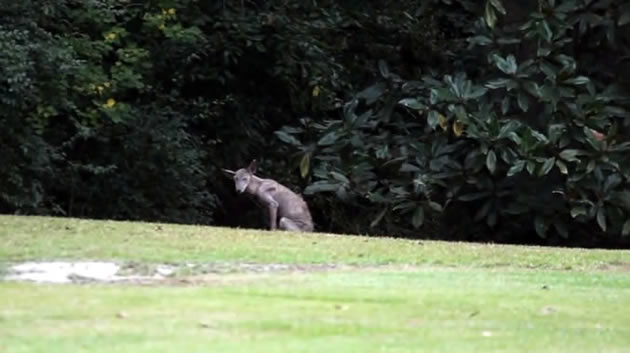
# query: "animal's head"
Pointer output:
{"type": "Point", "coordinates": [242, 176]}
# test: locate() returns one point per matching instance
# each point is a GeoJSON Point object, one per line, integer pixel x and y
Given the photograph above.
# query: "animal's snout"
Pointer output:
{"type": "Point", "coordinates": [240, 188]}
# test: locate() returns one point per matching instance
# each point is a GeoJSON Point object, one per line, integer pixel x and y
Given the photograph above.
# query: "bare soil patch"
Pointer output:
{"type": "Point", "coordinates": [69, 272]}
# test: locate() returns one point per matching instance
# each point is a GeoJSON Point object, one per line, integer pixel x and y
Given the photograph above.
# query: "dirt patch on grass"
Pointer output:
{"type": "Point", "coordinates": [65, 272]}
{"type": "Point", "coordinates": [73, 272]}
{"type": "Point", "coordinates": [81, 271]}
{"type": "Point", "coordinates": [615, 266]}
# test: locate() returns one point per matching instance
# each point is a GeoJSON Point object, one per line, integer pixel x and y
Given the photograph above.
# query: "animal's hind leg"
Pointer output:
{"type": "Point", "coordinates": [287, 224]}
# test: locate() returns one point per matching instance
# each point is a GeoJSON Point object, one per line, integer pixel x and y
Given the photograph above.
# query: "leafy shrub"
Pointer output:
{"type": "Point", "coordinates": [128, 109]}
{"type": "Point", "coordinates": [536, 143]}
{"type": "Point", "coordinates": [86, 119]}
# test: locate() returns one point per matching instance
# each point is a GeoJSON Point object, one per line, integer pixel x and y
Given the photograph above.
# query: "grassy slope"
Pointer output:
{"type": "Point", "coordinates": [488, 299]}
{"type": "Point", "coordinates": [23, 238]}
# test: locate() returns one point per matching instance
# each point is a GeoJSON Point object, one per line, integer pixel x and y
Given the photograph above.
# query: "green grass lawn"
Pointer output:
{"type": "Point", "coordinates": [427, 296]}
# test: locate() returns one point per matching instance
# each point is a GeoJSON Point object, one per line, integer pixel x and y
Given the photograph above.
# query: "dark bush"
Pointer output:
{"type": "Point", "coordinates": [473, 120]}
{"type": "Point", "coordinates": [535, 143]}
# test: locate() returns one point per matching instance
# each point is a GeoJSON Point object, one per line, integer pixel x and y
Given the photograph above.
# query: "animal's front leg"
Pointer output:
{"type": "Point", "coordinates": [272, 207]}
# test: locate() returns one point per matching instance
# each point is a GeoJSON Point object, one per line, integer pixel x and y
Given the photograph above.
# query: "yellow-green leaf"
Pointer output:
{"type": "Point", "coordinates": [305, 165]}
{"type": "Point", "coordinates": [458, 128]}
{"type": "Point", "coordinates": [490, 15]}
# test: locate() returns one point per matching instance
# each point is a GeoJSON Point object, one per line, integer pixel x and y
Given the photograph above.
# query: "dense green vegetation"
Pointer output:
{"type": "Point", "coordinates": [454, 119]}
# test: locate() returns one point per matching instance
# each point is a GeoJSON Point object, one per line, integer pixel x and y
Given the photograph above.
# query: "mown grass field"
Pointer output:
{"type": "Point", "coordinates": [392, 295]}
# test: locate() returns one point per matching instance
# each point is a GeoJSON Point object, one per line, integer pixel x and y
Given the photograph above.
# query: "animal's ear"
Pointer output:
{"type": "Point", "coordinates": [252, 167]}
{"type": "Point", "coordinates": [228, 173]}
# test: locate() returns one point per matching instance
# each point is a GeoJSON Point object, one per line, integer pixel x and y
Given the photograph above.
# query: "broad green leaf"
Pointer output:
{"type": "Point", "coordinates": [578, 211]}
{"type": "Point", "coordinates": [601, 218]}
{"type": "Point", "coordinates": [508, 41]}
{"type": "Point", "coordinates": [363, 118]}
{"type": "Point", "coordinates": [328, 139]}
{"type": "Point", "coordinates": [444, 95]}
{"type": "Point", "coordinates": [569, 64]}
{"type": "Point", "coordinates": [543, 51]}
{"type": "Point", "coordinates": [476, 93]}
{"type": "Point", "coordinates": [372, 93]}
{"type": "Point", "coordinates": [498, 83]}
{"type": "Point", "coordinates": [538, 136]}
{"type": "Point", "coordinates": [516, 168]}
{"type": "Point", "coordinates": [491, 161]}
{"type": "Point", "coordinates": [378, 218]}
{"type": "Point", "coordinates": [404, 206]}
{"type": "Point", "coordinates": [349, 110]}
{"type": "Point", "coordinates": [320, 186]}
{"type": "Point", "coordinates": [339, 177]}
{"type": "Point", "coordinates": [555, 131]}
{"type": "Point", "coordinates": [508, 128]}
{"type": "Point", "coordinates": [418, 217]}
{"type": "Point", "coordinates": [527, 25]}
{"type": "Point", "coordinates": [625, 146]}
{"type": "Point", "coordinates": [590, 87]}
{"type": "Point", "coordinates": [460, 113]}
{"type": "Point", "coordinates": [531, 167]}
{"type": "Point", "coordinates": [407, 167]}
{"type": "Point", "coordinates": [436, 206]}
{"type": "Point", "coordinates": [480, 40]}
{"type": "Point", "coordinates": [287, 138]}
{"type": "Point", "coordinates": [490, 15]}
{"type": "Point", "coordinates": [513, 136]}
{"type": "Point", "coordinates": [507, 65]}
{"type": "Point", "coordinates": [411, 103]}
{"type": "Point", "coordinates": [548, 69]}
{"type": "Point", "coordinates": [498, 6]}
{"type": "Point", "coordinates": [580, 80]}
{"type": "Point", "coordinates": [383, 69]}
{"type": "Point", "coordinates": [613, 181]}
{"type": "Point", "coordinates": [523, 101]}
{"type": "Point", "coordinates": [546, 32]}
{"type": "Point", "coordinates": [532, 88]}
{"type": "Point", "coordinates": [547, 166]}
{"type": "Point", "coordinates": [570, 155]}
{"type": "Point", "coordinates": [433, 119]}
{"type": "Point", "coordinates": [563, 167]}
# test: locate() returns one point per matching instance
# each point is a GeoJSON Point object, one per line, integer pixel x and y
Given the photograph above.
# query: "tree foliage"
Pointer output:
{"type": "Point", "coordinates": [536, 142]}
{"type": "Point", "coordinates": [476, 120]}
